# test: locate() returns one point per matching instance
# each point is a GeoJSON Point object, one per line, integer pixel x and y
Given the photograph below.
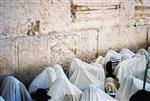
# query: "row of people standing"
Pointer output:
{"type": "Point", "coordinates": [115, 74]}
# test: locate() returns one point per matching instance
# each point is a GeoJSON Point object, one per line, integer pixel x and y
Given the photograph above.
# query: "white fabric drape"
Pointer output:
{"type": "Point", "coordinates": [129, 87]}
{"type": "Point", "coordinates": [1, 98]}
{"type": "Point", "coordinates": [112, 56]}
{"type": "Point", "coordinates": [14, 90]}
{"type": "Point", "coordinates": [44, 80]}
{"type": "Point", "coordinates": [144, 53]}
{"type": "Point", "coordinates": [63, 90]}
{"type": "Point", "coordinates": [84, 74]}
{"type": "Point", "coordinates": [133, 66]}
{"type": "Point", "coordinates": [126, 54]}
{"type": "Point", "coordinates": [59, 71]}
{"type": "Point", "coordinates": [92, 93]}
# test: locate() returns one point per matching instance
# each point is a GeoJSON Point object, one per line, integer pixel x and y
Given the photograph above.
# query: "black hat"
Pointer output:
{"type": "Point", "coordinates": [109, 67]}
{"type": "Point", "coordinates": [40, 95]}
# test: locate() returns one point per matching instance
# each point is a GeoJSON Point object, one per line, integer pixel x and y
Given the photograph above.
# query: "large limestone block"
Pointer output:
{"type": "Point", "coordinates": [33, 54]}
{"type": "Point", "coordinates": [8, 57]}
{"type": "Point", "coordinates": [95, 19]}
{"type": "Point", "coordinates": [63, 47]}
{"type": "Point", "coordinates": [134, 37]}
{"type": "Point", "coordinates": [17, 16]}
{"type": "Point", "coordinates": [94, 14]}
{"type": "Point", "coordinates": [95, 2]}
{"type": "Point", "coordinates": [87, 44]}
{"type": "Point", "coordinates": [127, 10]}
{"type": "Point", "coordinates": [55, 15]}
{"type": "Point", "coordinates": [110, 38]}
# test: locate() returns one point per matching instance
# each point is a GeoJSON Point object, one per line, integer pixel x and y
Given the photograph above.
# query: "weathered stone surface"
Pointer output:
{"type": "Point", "coordinates": [134, 37]}
{"type": "Point", "coordinates": [96, 2]}
{"type": "Point", "coordinates": [8, 57]}
{"type": "Point", "coordinates": [34, 33]}
{"type": "Point", "coordinates": [63, 47]}
{"type": "Point", "coordinates": [87, 44]}
{"type": "Point", "coordinates": [33, 54]}
{"type": "Point", "coordinates": [19, 17]}
{"type": "Point", "coordinates": [142, 12]}
{"type": "Point", "coordinates": [115, 42]}
{"type": "Point", "coordinates": [55, 15]}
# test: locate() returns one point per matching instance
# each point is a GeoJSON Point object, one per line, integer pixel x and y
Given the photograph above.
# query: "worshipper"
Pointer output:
{"type": "Point", "coordinates": [41, 84]}
{"type": "Point", "coordinates": [59, 71]}
{"type": "Point", "coordinates": [83, 74]}
{"type": "Point", "coordinates": [126, 54]}
{"type": "Point", "coordinates": [44, 80]}
{"type": "Point", "coordinates": [144, 53]}
{"type": "Point", "coordinates": [97, 71]}
{"type": "Point", "coordinates": [129, 87]}
{"type": "Point", "coordinates": [133, 66]}
{"type": "Point", "coordinates": [109, 70]}
{"type": "Point", "coordinates": [63, 90]}
{"type": "Point", "coordinates": [111, 82]}
{"type": "Point", "coordinates": [142, 94]}
{"type": "Point", "coordinates": [114, 57]}
{"type": "Point", "coordinates": [92, 93]}
{"type": "Point", "coordinates": [14, 90]}
{"type": "Point", "coordinates": [128, 72]}
{"type": "Point", "coordinates": [1, 98]}
{"type": "Point", "coordinates": [99, 60]}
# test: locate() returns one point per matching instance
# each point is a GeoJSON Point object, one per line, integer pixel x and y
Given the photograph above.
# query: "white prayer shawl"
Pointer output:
{"type": "Point", "coordinates": [63, 90]}
{"type": "Point", "coordinates": [141, 76]}
{"type": "Point", "coordinates": [144, 53]}
{"type": "Point", "coordinates": [1, 98]}
{"type": "Point", "coordinates": [92, 93]}
{"type": "Point", "coordinates": [44, 80]}
{"type": "Point", "coordinates": [14, 90]}
{"type": "Point", "coordinates": [133, 66]}
{"type": "Point", "coordinates": [59, 71]}
{"type": "Point", "coordinates": [85, 74]}
{"type": "Point", "coordinates": [99, 60]}
{"type": "Point", "coordinates": [113, 57]}
{"type": "Point", "coordinates": [96, 70]}
{"type": "Point", "coordinates": [126, 54]}
{"type": "Point", "coordinates": [129, 87]}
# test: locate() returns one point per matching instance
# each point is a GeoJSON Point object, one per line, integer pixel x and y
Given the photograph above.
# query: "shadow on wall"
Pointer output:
{"type": "Point", "coordinates": [27, 75]}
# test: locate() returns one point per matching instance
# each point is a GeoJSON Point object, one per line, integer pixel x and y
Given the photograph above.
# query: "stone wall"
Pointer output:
{"type": "Point", "coordinates": [35, 33]}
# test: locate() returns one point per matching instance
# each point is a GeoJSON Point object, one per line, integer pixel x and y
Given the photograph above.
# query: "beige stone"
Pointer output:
{"type": "Point", "coordinates": [35, 33]}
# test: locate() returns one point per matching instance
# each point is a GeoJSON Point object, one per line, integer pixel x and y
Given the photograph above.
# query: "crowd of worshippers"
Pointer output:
{"type": "Point", "coordinates": [113, 77]}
